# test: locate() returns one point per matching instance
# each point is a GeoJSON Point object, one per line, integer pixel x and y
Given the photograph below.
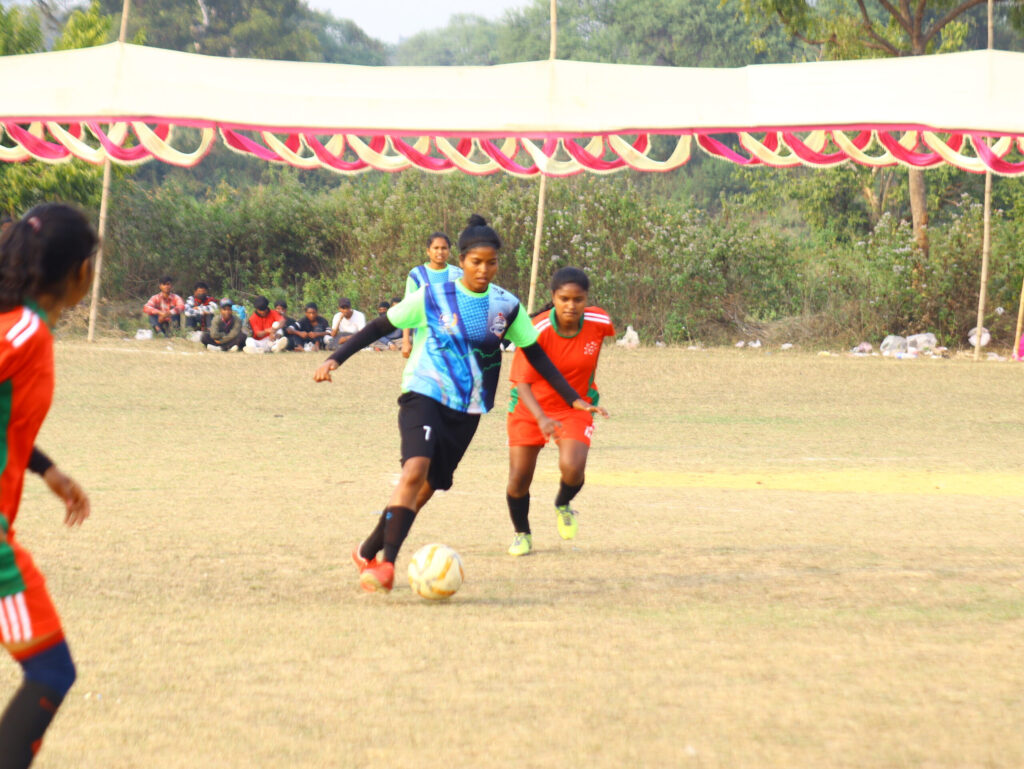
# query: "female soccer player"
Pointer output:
{"type": "Point", "coordinates": [571, 334]}
{"type": "Point", "coordinates": [435, 270]}
{"type": "Point", "coordinates": [448, 383]}
{"type": "Point", "coordinates": [46, 262]}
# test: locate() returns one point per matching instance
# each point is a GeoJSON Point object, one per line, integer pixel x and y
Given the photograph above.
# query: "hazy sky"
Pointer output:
{"type": "Point", "coordinates": [391, 20]}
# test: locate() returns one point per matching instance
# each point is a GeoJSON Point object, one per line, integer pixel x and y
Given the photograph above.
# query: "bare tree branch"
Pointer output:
{"type": "Point", "coordinates": [869, 28]}
{"type": "Point", "coordinates": [919, 14]}
{"type": "Point", "coordinates": [965, 6]}
{"type": "Point", "coordinates": [903, 22]}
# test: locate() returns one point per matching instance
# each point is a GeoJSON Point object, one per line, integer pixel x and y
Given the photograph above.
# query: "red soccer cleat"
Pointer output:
{"type": "Point", "coordinates": [361, 563]}
{"type": "Point", "coordinates": [377, 576]}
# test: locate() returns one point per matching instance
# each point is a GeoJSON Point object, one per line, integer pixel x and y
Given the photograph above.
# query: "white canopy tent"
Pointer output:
{"type": "Point", "coordinates": [106, 101]}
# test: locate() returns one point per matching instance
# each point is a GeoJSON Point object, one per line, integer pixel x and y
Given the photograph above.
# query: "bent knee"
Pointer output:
{"type": "Point", "coordinates": [53, 668]}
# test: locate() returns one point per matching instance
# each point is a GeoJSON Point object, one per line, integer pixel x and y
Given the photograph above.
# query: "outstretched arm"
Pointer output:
{"type": "Point", "coordinates": [366, 336]}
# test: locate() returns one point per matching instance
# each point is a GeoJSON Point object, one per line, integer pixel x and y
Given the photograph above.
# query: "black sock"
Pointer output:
{"type": "Point", "coordinates": [519, 512]}
{"type": "Point", "coordinates": [398, 521]}
{"type": "Point", "coordinates": [23, 723]}
{"type": "Point", "coordinates": [566, 493]}
{"type": "Point", "coordinates": [374, 543]}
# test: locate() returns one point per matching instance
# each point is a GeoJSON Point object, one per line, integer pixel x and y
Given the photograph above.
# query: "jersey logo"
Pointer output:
{"type": "Point", "coordinates": [449, 323]}
{"type": "Point", "coordinates": [23, 330]}
{"type": "Point", "coordinates": [499, 325]}
{"type": "Point", "coordinates": [590, 348]}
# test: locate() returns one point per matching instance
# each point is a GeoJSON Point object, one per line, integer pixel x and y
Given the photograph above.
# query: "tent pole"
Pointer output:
{"type": "Point", "coordinates": [104, 204]}
{"type": "Point", "coordinates": [98, 265]}
{"type": "Point", "coordinates": [986, 249]}
{"type": "Point", "coordinates": [986, 231]}
{"type": "Point", "coordinates": [1020, 320]}
{"type": "Point", "coordinates": [539, 230]}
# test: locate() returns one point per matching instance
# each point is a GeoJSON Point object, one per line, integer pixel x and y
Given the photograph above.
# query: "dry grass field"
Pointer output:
{"type": "Point", "coordinates": [784, 561]}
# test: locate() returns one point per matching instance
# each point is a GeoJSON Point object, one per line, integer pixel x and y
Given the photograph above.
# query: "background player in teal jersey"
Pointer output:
{"type": "Point", "coordinates": [449, 381]}
{"type": "Point", "coordinates": [435, 270]}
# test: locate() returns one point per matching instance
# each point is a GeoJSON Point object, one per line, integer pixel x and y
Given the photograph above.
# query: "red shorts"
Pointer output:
{"type": "Point", "coordinates": [523, 430]}
{"type": "Point", "coordinates": [28, 620]}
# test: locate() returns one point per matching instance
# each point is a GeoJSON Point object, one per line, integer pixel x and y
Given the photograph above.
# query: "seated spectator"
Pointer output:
{"type": "Point", "coordinates": [200, 308]}
{"type": "Point", "coordinates": [225, 330]}
{"type": "Point", "coordinates": [285, 331]}
{"type": "Point", "coordinates": [164, 309]}
{"type": "Point", "coordinates": [261, 328]}
{"type": "Point", "coordinates": [311, 331]}
{"type": "Point", "coordinates": [346, 322]}
{"type": "Point", "coordinates": [390, 341]}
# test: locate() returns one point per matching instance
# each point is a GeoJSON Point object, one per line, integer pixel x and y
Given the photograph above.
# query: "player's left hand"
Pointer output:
{"type": "Point", "coordinates": [76, 501]}
{"type": "Point", "coordinates": [323, 373]}
{"type": "Point", "coordinates": [582, 405]}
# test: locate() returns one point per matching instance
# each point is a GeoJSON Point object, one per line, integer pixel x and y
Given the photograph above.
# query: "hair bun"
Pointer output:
{"type": "Point", "coordinates": [476, 221]}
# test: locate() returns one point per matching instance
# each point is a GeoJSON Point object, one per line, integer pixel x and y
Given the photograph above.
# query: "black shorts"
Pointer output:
{"type": "Point", "coordinates": [431, 430]}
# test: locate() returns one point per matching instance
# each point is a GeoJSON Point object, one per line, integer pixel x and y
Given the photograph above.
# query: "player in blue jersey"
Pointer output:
{"type": "Point", "coordinates": [449, 381]}
{"type": "Point", "coordinates": [435, 270]}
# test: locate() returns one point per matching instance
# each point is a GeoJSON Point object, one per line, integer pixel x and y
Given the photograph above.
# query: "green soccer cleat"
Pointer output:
{"type": "Point", "coordinates": [521, 545]}
{"type": "Point", "coordinates": [567, 524]}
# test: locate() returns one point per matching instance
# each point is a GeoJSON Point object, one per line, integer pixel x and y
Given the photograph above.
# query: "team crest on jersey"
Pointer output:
{"type": "Point", "coordinates": [590, 348]}
{"type": "Point", "coordinates": [499, 324]}
{"type": "Point", "coordinates": [449, 323]}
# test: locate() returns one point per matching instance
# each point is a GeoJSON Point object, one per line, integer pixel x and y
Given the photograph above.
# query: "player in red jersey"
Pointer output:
{"type": "Point", "coordinates": [571, 334]}
{"type": "Point", "coordinates": [46, 263]}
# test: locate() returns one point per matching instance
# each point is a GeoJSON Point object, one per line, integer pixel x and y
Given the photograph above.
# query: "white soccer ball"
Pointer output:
{"type": "Point", "coordinates": [435, 572]}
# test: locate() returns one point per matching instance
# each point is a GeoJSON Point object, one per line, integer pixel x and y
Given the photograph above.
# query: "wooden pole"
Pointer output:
{"type": "Point", "coordinates": [986, 230]}
{"type": "Point", "coordinates": [538, 232]}
{"type": "Point", "coordinates": [1020, 320]}
{"type": "Point", "coordinates": [986, 249]}
{"type": "Point", "coordinates": [94, 301]}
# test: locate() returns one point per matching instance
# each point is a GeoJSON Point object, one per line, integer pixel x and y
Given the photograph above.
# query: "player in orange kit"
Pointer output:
{"type": "Point", "coordinates": [46, 263]}
{"type": "Point", "coordinates": [571, 334]}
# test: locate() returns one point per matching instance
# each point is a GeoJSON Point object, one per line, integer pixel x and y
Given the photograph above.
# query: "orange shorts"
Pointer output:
{"type": "Point", "coordinates": [28, 620]}
{"type": "Point", "coordinates": [523, 430]}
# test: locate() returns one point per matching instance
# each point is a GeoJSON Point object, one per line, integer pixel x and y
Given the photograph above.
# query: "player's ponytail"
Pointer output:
{"type": "Point", "coordinates": [478, 235]}
{"type": "Point", "coordinates": [41, 251]}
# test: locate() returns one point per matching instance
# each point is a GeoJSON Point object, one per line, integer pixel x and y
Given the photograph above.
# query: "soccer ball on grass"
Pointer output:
{"type": "Point", "coordinates": [435, 572]}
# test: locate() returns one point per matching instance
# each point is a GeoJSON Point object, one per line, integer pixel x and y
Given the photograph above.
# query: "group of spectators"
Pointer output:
{"type": "Point", "coordinates": [224, 325]}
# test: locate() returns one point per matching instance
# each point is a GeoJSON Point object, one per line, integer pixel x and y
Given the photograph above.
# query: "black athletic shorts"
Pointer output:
{"type": "Point", "coordinates": [429, 429]}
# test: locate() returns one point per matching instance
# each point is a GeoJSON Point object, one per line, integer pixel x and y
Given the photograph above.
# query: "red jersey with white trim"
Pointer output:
{"type": "Point", "coordinates": [26, 391]}
{"type": "Point", "coordinates": [575, 356]}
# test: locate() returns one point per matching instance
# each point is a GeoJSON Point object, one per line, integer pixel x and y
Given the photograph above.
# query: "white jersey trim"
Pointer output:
{"type": "Point", "coordinates": [23, 330]}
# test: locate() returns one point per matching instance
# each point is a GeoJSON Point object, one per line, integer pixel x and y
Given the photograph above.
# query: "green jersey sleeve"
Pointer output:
{"type": "Point", "coordinates": [411, 312]}
{"type": "Point", "coordinates": [522, 332]}
{"type": "Point", "coordinates": [410, 286]}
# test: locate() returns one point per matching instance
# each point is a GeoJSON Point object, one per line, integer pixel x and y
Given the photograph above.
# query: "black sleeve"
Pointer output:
{"type": "Point", "coordinates": [364, 337]}
{"type": "Point", "coordinates": [543, 365]}
{"type": "Point", "coordinates": [39, 463]}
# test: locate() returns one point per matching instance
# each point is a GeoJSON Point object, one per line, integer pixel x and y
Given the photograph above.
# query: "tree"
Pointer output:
{"type": "Point", "coordinates": [850, 29]}
{"type": "Point", "coordinates": [19, 31]}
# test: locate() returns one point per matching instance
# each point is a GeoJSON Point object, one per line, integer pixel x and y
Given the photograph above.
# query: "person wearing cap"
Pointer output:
{"type": "Point", "coordinates": [261, 328]}
{"type": "Point", "coordinates": [225, 332]}
{"type": "Point", "coordinates": [345, 323]}
{"type": "Point", "coordinates": [200, 308]}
